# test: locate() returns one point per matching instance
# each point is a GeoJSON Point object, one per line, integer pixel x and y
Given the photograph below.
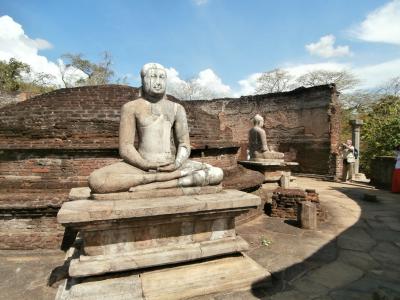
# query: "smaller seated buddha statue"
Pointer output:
{"type": "Point", "coordinates": [258, 148]}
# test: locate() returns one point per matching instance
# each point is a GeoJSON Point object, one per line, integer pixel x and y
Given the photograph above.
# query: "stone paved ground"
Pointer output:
{"type": "Point", "coordinates": [355, 254]}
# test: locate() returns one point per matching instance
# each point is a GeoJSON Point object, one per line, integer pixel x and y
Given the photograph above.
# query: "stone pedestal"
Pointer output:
{"type": "Point", "coordinates": [138, 234]}
{"type": "Point", "coordinates": [274, 170]}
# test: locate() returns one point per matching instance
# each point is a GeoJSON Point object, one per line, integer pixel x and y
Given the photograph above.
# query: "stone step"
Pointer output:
{"type": "Point", "coordinates": [211, 277]}
{"type": "Point", "coordinates": [101, 264]}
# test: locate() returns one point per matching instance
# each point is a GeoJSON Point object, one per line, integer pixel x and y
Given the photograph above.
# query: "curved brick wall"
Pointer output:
{"type": "Point", "coordinates": [88, 118]}
{"type": "Point", "coordinates": [52, 142]}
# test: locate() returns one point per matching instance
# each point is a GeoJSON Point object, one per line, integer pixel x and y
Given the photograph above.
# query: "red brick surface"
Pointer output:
{"type": "Point", "coordinates": [52, 142]}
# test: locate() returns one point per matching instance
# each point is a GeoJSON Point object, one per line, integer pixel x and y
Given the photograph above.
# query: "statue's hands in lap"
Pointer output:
{"type": "Point", "coordinates": [167, 168]}
{"type": "Point", "coordinates": [156, 166]}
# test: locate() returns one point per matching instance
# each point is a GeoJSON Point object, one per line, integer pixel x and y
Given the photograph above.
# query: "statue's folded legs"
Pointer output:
{"type": "Point", "coordinates": [121, 177]}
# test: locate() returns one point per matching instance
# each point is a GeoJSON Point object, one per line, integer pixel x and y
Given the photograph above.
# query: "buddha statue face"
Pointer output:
{"type": "Point", "coordinates": [154, 80]}
{"type": "Point", "coordinates": [258, 121]}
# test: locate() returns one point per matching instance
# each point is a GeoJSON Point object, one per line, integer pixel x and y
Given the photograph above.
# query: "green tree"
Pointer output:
{"type": "Point", "coordinates": [11, 73]}
{"type": "Point", "coordinates": [381, 131]}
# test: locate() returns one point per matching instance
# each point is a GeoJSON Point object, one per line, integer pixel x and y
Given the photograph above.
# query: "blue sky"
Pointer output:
{"type": "Point", "coordinates": [229, 41]}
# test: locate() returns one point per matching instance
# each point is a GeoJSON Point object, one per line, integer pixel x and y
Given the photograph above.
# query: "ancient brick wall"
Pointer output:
{"type": "Point", "coordinates": [286, 202]}
{"type": "Point", "coordinates": [57, 139]}
{"type": "Point", "coordinates": [52, 142]}
{"type": "Point", "coordinates": [304, 123]}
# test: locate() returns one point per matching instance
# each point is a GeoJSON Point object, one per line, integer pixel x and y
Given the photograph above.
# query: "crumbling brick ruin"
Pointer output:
{"type": "Point", "coordinates": [52, 142]}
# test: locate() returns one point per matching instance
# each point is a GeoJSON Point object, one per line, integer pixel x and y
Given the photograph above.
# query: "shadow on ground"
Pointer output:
{"type": "Point", "coordinates": [355, 254]}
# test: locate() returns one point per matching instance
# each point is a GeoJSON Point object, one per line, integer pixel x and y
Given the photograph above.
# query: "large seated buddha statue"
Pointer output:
{"type": "Point", "coordinates": [154, 163]}
{"type": "Point", "coordinates": [258, 147]}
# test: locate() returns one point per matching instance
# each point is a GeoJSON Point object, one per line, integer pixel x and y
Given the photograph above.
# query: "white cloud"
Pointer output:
{"type": "Point", "coordinates": [205, 85]}
{"type": "Point", "coordinates": [200, 2]}
{"type": "Point", "coordinates": [373, 76]}
{"type": "Point", "coordinates": [325, 47]}
{"type": "Point", "coordinates": [208, 79]}
{"type": "Point", "coordinates": [381, 25]}
{"type": "Point", "coordinates": [247, 85]}
{"type": "Point", "coordinates": [173, 77]}
{"type": "Point", "coordinates": [42, 44]}
{"type": "Point", "coordinates": [14, 43]}
{"type": "Point", "coordinates": [300, 69]}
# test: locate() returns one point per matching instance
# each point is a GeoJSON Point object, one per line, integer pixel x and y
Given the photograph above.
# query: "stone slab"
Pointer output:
{"type": "Point", "coordinates": [198, 190]}
{"type": "Point", "coordinates": [272, 162]}
{"type": "Point", "coordinates": [83, 211]}
{"type": "Point", "coordinates": [121, 288]}
{"type": "Point", "coordinates": [206, 278]}
{"type": "Point", "coordinates": [335, 275]}
{"type": "Point", "coordinates": [212, 277]}
{"type": "Point", "coordinates": [101, 264]}
{"type": "Point", "coordinates": [267, 163]}
{"type": "Point", "coordinates": [80, 193]}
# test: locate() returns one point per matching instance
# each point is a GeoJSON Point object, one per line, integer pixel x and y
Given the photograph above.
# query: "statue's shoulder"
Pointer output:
{"type": "Point", "coordinates": [257, 130]}
{"type": "Point", "coordinates": [134, 104]}
{"type": "Point", "coordinates": [177, 106]}
{"type": "Point", "coordinates": [173, 106]}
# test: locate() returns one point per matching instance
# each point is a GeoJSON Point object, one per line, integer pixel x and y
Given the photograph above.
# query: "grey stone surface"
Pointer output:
{"type": "Point", "coordinates": [385, 235]}
{"type": "Point", "coordinates": [356, 239]}
{"type": "Point", "coordinates": [335, 274]}
{"type": "Point", "coordinates": [290, 295]}
{"type": "Point", "coordinates": [361, 260]}
{"type": "Point", "coordinates": [386, 253]}
{"type": "Point", "coordinates": [372, 283]}
{"type": "Point", "coordinates": [310, 287]}
{"type": "Point", "coordinates": [351, 295]}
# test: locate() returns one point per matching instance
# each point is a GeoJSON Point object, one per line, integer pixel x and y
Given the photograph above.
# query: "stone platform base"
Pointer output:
{"type": "Point", "coordinates": [274, 170]}
{"type": "Point", "coordinates": [101, 264]}
{"type": "Point", "coordinates": [210, 277]}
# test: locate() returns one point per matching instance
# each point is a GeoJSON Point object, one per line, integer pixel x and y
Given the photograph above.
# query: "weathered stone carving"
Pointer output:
{"type": "Point", "coordinates": [169, 217]}
{"type": "Point", "coordinates": [258, 147]}
{"type": "Point", "coordinates": [153, 165]}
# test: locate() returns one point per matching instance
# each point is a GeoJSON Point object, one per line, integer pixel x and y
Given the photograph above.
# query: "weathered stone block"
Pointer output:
{"type": "Point", "coordinates": [136, 233]}
{"type": "Point", "coordinates": [307, 215]}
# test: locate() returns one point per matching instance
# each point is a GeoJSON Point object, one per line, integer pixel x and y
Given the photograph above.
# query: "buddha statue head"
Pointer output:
{"type": "Point", "coordinates": [154, 80]}
{"type": "Point", "coordinates": [258, 120]}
